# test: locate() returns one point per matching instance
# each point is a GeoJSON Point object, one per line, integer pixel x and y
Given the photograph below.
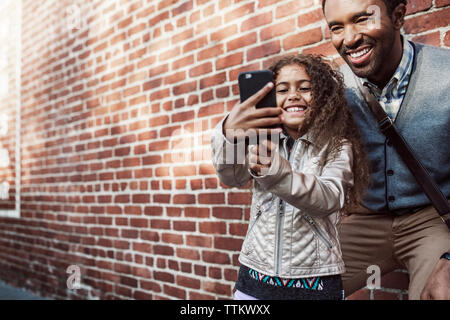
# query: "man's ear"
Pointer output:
{"type": "Point", "coordinates": [398, 16]}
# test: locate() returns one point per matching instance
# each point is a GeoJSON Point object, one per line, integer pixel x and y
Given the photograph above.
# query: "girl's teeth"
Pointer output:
{"type": "Point", "coordinates": [295, 109]}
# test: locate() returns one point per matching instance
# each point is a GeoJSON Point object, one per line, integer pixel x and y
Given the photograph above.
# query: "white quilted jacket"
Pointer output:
{"type": "Point", "coordinates": [292, 230]}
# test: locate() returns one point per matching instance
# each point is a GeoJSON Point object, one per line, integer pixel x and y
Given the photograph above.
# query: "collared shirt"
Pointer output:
{"type": "Point", "coordinates": [391, 97]}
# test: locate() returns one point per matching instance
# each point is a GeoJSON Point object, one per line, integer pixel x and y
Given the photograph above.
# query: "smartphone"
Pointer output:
{"type": "Point", "coordinates": [253, 81]}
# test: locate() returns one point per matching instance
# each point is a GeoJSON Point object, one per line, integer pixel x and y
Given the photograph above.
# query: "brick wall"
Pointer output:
{"type": "Point", "coordinates": [117, 109]}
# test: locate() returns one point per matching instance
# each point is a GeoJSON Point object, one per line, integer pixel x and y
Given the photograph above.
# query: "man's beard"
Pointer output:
{"type": "Point", "coordinates": [373, 65]}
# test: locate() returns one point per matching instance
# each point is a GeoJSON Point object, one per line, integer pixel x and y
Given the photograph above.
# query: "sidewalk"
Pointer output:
{"type": "Point", "coordinates": [10, 293]}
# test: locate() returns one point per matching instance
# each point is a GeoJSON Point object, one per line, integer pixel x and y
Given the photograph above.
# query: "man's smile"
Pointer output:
{"type": "Point", "coordinates": [359, 56]}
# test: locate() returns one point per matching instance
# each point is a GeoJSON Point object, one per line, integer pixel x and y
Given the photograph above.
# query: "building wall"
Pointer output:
{"type": "Point", "coordinates": [118, 104]}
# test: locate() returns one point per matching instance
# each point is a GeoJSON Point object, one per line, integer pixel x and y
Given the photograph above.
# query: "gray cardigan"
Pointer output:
{"type": "Point", "coordinates": [424, 122]}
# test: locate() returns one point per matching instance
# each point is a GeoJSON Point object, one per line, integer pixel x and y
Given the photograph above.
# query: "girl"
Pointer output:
{"type": "Point", "coordinates": [302, 184]}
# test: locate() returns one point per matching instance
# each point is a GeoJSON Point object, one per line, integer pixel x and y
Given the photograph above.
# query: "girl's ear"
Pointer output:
{"type": "Point", "coordinates": [398, 16]}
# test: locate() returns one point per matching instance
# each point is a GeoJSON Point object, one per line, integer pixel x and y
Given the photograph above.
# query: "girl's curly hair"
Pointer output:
{"type": "Point", "coordinates": [330, 120]}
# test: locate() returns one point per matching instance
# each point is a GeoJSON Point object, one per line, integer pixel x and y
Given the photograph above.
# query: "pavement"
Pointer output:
{"type": "Point", "coordinates": [10, 293]}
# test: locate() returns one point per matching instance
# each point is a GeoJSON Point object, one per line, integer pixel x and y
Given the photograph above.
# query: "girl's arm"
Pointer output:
{"type": "Point", "coordinates": [229, 158]}
{"type": "Point", "coordinates": [320, 195]}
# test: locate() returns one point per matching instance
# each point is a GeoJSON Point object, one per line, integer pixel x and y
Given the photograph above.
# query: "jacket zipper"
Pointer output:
{"type": "Point", "coordinates": [318, 230]}
{"type": "Point", "coordinates": [280, 214]}
{"type": "Point", "coordinates": [258, 214]}
{"type": "Point", "coordinates": [280, 219]}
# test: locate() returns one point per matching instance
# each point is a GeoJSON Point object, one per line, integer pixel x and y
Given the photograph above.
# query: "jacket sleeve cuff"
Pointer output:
{"type": "Point", "coordinates": [272, 175]}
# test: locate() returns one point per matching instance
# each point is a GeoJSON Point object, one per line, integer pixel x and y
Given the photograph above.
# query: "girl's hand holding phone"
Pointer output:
{"type": "Point", "coordinates": [245, 116]}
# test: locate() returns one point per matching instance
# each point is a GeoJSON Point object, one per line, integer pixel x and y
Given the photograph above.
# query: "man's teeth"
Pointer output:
{"type": "Point", "coordinates": [359, 53]}
{"type": "Point", "coordinates": [295, 109]}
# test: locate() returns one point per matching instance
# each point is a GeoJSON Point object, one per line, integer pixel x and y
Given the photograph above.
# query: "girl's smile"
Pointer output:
{"type": "Point", "coordinates": [294, 97]}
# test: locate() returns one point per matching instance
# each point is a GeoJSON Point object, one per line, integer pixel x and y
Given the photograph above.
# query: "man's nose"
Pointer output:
{"type": "Point", "coordinates": [351, 36]}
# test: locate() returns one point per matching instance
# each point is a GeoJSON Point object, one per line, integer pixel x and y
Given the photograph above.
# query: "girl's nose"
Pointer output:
{"type": "Point", "coordinates": [294, 96]}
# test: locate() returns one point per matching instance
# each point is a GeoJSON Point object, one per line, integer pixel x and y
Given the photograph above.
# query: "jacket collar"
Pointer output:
{"type": "Point", "coordinates": [305, 138]}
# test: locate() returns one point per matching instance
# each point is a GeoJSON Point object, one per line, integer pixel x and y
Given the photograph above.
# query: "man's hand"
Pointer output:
{"type": "Point", "coordinates": [438, 284]}
{"type": "Point", "coordinates": [245, 117]}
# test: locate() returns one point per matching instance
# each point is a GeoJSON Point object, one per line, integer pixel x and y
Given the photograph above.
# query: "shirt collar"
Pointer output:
{"type": "Point", "coordinates": [403, 69]}
{"type": "Point", "coordinates": [305, 138]}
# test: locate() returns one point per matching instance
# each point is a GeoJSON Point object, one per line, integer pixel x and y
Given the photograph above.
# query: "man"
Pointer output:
{"type": "Point", "coordinates": [396, 226]}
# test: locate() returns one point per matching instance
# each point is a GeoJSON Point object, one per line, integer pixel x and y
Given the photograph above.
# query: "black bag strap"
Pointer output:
{"type": "Point", "coordinates": [405, 152]}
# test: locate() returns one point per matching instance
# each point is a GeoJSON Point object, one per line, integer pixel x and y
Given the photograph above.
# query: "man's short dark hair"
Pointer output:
{"type": "Point", "coordinates": [390, 4]}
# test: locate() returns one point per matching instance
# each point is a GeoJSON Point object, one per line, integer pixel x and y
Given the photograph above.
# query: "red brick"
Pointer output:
{"type": "Point", "coordinates": [362, 294]}
{"type": "Point", "coordinates": [224, 33]}
{"type": "Point", "coordinates": [211, 198]}
{"type": "Point", "coordinates": [325, 49]}
{"type": "Point", "coordinates": [161, 198]}
{"type": "Point", "coordinates": [264, 50]}
{"type": "Point", "coordinates": [433, 39]}
{"type": "Point", "coordinates": [310, 18]}
{"type": "Point", "coordinates": [151, 286]}
{"type": "Point", "coordinates": [175, 77]}
{"type": "Point", "coordinates": [201, 69]}
{"type": "Point", "coordinates": [278, 29]}
{"type": "Point", "coordinates": [183, 199]}
{"type": "Point", "coordinates": [302, 39]}
{"type": "Point", "coordinates": [238, 229]}
{"type": "Point", "coordinates": [198, 241]}
{"type": "Point", "coordinates": [428, 21]}
{"type": "Point", "coordinates": [240, 198]}
{"type": "Point", "coordinates": [141, 295]}
{"type": "Point", "coordinates": [184, 7]}
{"type": "Point", "coordinates": [292, 7]}
{"type": "Point", "coordinates": [418, 5]}
{"type": "Point", "coordinates": [163, 250]}
{"type": "Point", "coordinates": [213, 80]}
{"type": "Point", "coordinates": [442, 3]}
{"type": "Point", "coordinates": [242, 42]}
{"type": "Point", "coordinates": [226, 243]}
{"type": "Point", "coordinates": [383, 295]}
{"type": "Point", "coordinates": [185, 88]}
{"type": "Point", "coordinates": [216, 257]}
{"type": "Point", "coordinates": [139, 223]}
{"type": "Point", "coordinates": [160, 224]}
{"type": "Point", "coordinates": [184, 226]}
{"type": "Point", "coordinates": [163, 276]}
{"type": "Point", "coordinates": [227, 213]}
{"type": "Point", "coordinates": [195, 44]}
{"type": "Point", "coordinates": [175, 292]}
{"type": "Point", "coordinates": [142, 247]}
{"type": "Point", "coordinates": [217, 108]}
{"type": "Point", "coordinates": [213, 227]}
{"type": "Point", "coordinates": [172, 238]}
{"type": "Point", "coordinates": [256, 21]}
{"type": "Point", "coordinates": [188, 282]}
{"type": "Point", "coordinates": [196, 212]}
{"type": "Point", "coordinates": [189, 254]}
{"type": "Point", "coordinates": [208, 24]}
{"type": "Point", "coordinates": [149, 235]}
{"type": "Point", "coordinates": [215, 273]}
{"type": "Point", "coordinates": [216, 287]}
{"type": "Point", "coordinates": [243, 10]}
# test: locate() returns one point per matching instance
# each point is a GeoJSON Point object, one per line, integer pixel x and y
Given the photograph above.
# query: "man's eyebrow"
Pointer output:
{"type": "Point", "coordinates": [354, 17]}
{"type": "Point", "coordinates": [362, 14]}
